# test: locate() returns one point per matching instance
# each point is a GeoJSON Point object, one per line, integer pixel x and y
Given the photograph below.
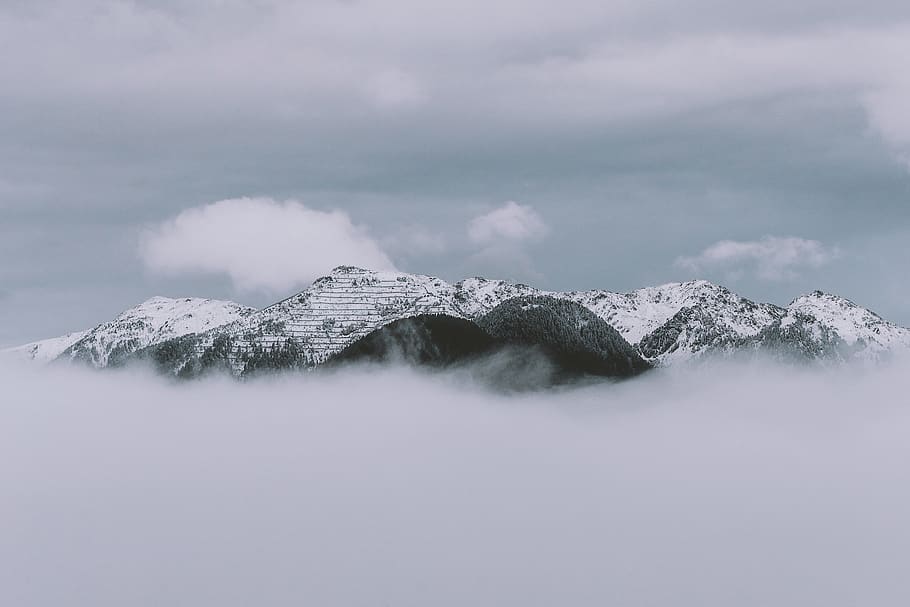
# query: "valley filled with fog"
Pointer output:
{"type": "Point", "coordinates": [710, 485]}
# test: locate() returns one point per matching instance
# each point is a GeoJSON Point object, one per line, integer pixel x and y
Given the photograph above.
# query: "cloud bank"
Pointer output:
{"type": "Point", "coordinates": [528, 63]}
{"type": "Point", "coordinates": [260, 243]}
{"type": "Point", "coordinates": [733, 486]}
{"type": "Point", "coordinates": [770, 258]}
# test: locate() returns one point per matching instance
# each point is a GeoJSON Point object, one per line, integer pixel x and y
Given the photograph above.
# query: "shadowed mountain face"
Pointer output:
{"type": "Point", "coordinates": [574, 338]}
{"type": "Point", "coordinates": [428, 340]}
{"type": "Point", "coordinates": [526, 343]}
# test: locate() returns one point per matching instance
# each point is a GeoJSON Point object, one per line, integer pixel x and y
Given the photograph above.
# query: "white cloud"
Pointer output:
{"type": "Point", "coordinates": [512, 222]}
{"type": "Point", "coordinates": [771, 258]}
{"type": "Point", "coordinates": [260, 243]}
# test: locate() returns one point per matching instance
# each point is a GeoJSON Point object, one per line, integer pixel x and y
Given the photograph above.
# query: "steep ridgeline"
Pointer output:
{"type": "Point", "coordinates": [45, 350]}
{"type": "Point", "coordinates": [152, 322]}
{"type": "Point", "coordinates": [667, 324]}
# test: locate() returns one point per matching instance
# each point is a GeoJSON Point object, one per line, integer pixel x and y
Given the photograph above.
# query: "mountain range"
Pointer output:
{"type": "Point", "coordinates": [426, 320]}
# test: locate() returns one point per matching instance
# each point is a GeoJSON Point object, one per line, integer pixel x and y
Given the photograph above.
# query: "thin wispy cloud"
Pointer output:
{"type": "Point", "coordinates": [770, 258]}
{"type": "Point", "coordinates": [415, 241]}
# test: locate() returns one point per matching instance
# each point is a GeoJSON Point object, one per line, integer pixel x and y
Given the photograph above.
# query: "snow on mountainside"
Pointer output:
{"type": "Point", "coordinates": [336, 310]}
{"type": "Point", "coordinates": [643, 311]}
{"type": "Point", "coordinates": [151, 322]}
{"type": "Point", "coordinates": [347, 304]}
{"type": "Point", "coordinates": [858, 333]}
{"type": "Point", "coordinates": [45, 350]}
{"type": "Point", "coordinates": [711, 319]}
{"type": "Point", "coordinates": [668, 324]}
{"type": "Point", "coordinates": [475, 297]}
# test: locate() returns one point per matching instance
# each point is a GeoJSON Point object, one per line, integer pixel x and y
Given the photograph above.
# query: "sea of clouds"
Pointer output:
{"type": "Point", "coordinates": [723, 485]}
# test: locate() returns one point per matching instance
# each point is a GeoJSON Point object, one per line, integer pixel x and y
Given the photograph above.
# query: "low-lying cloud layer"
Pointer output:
{"type": "Point", "coordinates": [726, 486]}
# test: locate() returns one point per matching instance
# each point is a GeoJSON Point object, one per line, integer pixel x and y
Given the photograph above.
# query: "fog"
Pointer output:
{"type": "Point", "coordinates": [724, 485]}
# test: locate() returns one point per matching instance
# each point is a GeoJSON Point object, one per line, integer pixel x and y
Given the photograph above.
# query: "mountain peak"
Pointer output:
{"type": "Point", "coordinates": [819, 294]}
{"type": "Point", "coordinates": [350, 270]}
{"type": "Point", "coordinates": [820, 300]}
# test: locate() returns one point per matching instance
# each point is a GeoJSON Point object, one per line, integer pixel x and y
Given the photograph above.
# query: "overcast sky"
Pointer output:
{"type": "Point", "coordinates": [578, 144]}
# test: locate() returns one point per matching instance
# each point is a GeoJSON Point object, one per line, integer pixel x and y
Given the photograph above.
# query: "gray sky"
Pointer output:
{"type": "Point", "coordinates": [633, 137]}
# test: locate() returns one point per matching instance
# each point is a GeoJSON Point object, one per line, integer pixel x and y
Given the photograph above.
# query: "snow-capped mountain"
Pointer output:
{"type": "Point", "coordinates": [825, 326]}
{"type": "Point", "coordinates": [667, 324]}
{"type": "Point", "coordinates": [151, 322]}
{"type": "Point", "coordinates": [711, 319]}
{"type": "Point", "coordinates": [866, 333]}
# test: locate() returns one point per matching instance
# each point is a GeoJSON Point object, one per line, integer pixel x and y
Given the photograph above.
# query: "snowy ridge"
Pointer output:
{"type": "Point", "coordinates": [641, 312]}
{"type": "Point", "coordinates": [668, 324]}
{"type": "Point", "coordinates": [45, 350]}
{"type": "Point", "coordinates": [151, 322]}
